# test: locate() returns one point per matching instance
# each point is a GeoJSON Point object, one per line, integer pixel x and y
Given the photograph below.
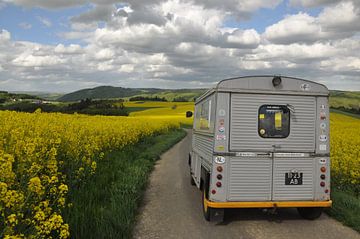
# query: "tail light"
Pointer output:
{"type": "Point", "coordinates": [322, 184]}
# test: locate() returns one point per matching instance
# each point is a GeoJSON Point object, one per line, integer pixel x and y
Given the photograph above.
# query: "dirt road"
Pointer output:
{"type": "Point", "coordinates": [172, 209]}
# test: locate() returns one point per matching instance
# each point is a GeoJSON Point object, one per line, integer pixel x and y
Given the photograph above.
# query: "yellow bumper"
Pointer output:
{"type": "Point", "coordinates": [268, 204]}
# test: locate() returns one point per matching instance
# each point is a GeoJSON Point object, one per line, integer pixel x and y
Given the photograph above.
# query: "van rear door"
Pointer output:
{"type": "Point", "coordinates": [271, 134]}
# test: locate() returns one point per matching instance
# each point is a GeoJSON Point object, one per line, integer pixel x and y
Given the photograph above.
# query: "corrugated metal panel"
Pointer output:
{"type": "Point", "coordinates": [244, 123]}
{"type": "Point", "coordinates": [293, 192]}
{"type": "Point", "coordinates": [203, 145]}
{"type": "Point", "coordinates": [249, 179]}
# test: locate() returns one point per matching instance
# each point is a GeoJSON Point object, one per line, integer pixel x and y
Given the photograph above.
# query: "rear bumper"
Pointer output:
{"type": "Point", "coordinates": [269, 204]}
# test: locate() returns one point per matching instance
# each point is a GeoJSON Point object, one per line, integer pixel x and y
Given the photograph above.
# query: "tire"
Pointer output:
{"type": "Point", "coordinates": [192, 181]}
{"type": "Point", "coordinates": [211, 214]}
{"type": "Point", "coordinates": [310, 213]}
{"type": "Point", "coordinates": [206, 209]}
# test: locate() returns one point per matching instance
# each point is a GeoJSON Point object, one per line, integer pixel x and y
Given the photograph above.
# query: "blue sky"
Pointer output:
{"type": "Point", "coordinates": [265, 17]}
{"type": "Point", "coordinates": [63, 46]}
{"type": "Point", "coordinates": [12, 16]}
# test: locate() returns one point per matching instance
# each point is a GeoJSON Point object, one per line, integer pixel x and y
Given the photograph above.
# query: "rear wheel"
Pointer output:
{"type": "Point", "coordinates": [310, 213]}
{"type": "Point", "coordinates": [192, 181]}
{"type": "Point", "coordinates": [206, 209]}
{"type": "Point", "coordinates": [211, 214]}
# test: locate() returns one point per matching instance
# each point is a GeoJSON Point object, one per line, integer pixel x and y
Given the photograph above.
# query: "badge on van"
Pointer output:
{"type": "Point", "coordinates": [305, 87]}
{"type": "Point", "coordinates": [220, 137]}
{"type": "Point", "coordinates": [323, 138]}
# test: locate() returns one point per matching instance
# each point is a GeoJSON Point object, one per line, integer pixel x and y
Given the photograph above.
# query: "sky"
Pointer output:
{"type": "Point", "coordinates": [63, 46]}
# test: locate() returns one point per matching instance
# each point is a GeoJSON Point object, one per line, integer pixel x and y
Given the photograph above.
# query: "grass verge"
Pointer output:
{"type": "Point", "coordinates": [345, 113]}
{"type": "Point", "coordinates": [106, 205]}
{"type": "Point", "coordinates": [346, 208]}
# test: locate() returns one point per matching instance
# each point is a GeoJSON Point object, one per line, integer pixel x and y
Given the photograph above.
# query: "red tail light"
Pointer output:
{"type": "Point", "coordinates": [213, 191]}
{"type": "Point", "coordinates": [322, 184]}
{"type": "Point", "coordinates": [218, 184]}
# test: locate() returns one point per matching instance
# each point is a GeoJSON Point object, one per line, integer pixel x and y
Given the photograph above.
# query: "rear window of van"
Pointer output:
{"type": "Point", "coordinates": [274, 121]}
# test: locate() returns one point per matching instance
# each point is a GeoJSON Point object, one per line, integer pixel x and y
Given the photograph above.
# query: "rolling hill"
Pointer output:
{"type": "Point", "coordinates": [346, 99]}
{"type": "Point", "coordinates": [110, 92]}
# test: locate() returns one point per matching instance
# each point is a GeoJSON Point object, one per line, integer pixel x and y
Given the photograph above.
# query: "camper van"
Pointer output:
{"type": "Point", "coordinates": [262, 142]}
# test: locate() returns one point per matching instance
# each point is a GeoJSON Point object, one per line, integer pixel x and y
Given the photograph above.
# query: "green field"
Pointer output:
{"type": "Point", "coordinates": [110, 92]}
{"type": "Point", "coordinates": [106, 206]}
{"type": "Point", "coordinates": [346, 101]}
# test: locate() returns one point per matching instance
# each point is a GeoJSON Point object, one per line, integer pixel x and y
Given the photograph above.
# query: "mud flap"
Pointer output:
{"type": "Point", "coordinates": [217, 214]}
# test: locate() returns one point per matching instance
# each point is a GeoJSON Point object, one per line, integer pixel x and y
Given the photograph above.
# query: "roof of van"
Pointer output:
{"type": "Point", "coordinates": [263, 84]}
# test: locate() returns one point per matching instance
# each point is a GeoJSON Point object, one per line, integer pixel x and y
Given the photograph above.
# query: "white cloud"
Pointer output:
{"type": "Point", "coordinates": [25, 25]}
{"type": "Point", "coordinates": [46, 22]}
{"type": "Point", "coordinates": [245, 38]}
{"type": "Point", "coordinates": [72, 35]}
{"type": "Point", "coordinates": [343, 16]}
{"type": "Point", "coordinates": [29, 60]}
{"type": "Point", "coordinates": [104, 54]}
{"type": "Point", "coordinates": [296, 52]}
{"type": "Point", "coordinates": [4, 35]}
{"type": "Point", "coordinates": [96, 14]}
{"type": "Point", "coordinates": [241, 9]}
{"type": "Point", "coordinates": [334, 22]}
{"type": "Point", "coordinates": [71, 49]}
{"type": "Point", "coordinates": [127, 68]}
{"type": "Point", "coordinates": [52, 4]}
{"type": "Point", "coordinates": [294, 28]}
{"type": "Point", "coordinates": [311, 3]}
{"type": "Point", "coordinates": [184, 43]}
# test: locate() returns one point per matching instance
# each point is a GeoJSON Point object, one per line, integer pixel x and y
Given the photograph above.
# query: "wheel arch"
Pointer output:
{"type": "Point", "coordinates": [205, 179]}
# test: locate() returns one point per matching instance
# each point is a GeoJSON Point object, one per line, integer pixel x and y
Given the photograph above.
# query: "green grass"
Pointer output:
{"type": "Point", "coordinates": [346, 208]}
{"type": "Point", "coordinates": [348, 101]}
{"type": "Point", "coordinates": [135, 109]}
{"type": "Point", "coordinates": [345, 113]}
{"type": "Point", "coordinates": [106, 206]}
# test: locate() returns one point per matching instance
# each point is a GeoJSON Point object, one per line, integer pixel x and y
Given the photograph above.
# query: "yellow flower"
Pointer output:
{"type": "Point", "coordinates": [12, 219]}
{"type": "Point", "coordinates": [63, 188]}
{"type": "Point", "coordinates": [54, 151]}
{"type": "Point", "coordinates": [35, 186]}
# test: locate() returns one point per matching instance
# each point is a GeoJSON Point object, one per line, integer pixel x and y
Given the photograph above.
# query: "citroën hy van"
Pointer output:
{"type": "Point", "coordinates": [262, 142]}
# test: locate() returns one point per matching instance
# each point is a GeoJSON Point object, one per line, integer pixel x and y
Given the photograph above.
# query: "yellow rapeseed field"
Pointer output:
{"type": "Point", "coordinates": [43, 154]}
{"type": "Point", "coordinates": [345, 151]}
{"type": "Point", "coordinates": [170, 110]}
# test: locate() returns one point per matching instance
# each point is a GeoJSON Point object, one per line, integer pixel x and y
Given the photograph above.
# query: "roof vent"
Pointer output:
{"type": "Point", "coordinates": [276, 81]}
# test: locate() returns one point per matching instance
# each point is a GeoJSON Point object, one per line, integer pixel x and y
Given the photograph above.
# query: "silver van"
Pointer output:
{"type": "Point", "coordinates": [262, 142]}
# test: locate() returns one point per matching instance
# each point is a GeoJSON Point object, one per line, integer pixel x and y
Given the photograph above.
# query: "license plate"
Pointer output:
{"type": "Point", "coordinates": [293, 178]}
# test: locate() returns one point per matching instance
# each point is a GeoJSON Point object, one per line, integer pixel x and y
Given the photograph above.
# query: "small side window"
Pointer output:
{"type": "Point", "coordinates": [274, 121]}
{"type": "Point", "coordinates": [205, 115]}
{"type": "Point", "coordinates": [204, 118]}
